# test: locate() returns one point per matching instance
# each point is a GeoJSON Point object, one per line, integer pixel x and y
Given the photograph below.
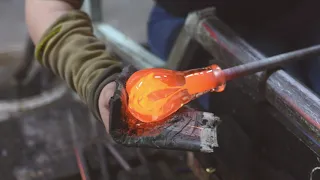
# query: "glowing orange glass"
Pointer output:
{"type": "Point", "coordinates": [156, 93]}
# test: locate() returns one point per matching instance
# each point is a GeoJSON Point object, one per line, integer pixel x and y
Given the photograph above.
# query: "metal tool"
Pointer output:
{"type": "Point", "coordinates": [271, 62]}
{"type": "Point", "coordinates": [78, 150]}
{"type": "Point", "coordinates": [125, 165]}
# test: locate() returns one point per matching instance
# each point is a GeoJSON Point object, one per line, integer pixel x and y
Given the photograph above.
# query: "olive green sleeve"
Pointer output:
{"type": "Point", "coordinates": [70, 50]}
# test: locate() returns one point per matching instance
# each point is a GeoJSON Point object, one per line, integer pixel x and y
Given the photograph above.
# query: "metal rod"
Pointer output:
{"type": "Point", "coordinates": [125, 165]}
{"type": "Point", "coordinates": [22, 72]}
{"type": "Point", "coordinates": [78, 149]}
{"type": "Point", "coordinates": [103, 160]}
{"type": "Point", "coordinates": [271, 62]}
{"type": "Point", "coordinates": [129, 51]}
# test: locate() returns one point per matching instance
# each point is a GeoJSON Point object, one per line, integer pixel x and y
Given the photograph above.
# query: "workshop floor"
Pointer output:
{"type": "Point", "coordinates": [130, 16]}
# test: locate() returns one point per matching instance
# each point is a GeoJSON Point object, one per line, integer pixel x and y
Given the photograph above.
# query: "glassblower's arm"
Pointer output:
{"type": "Point", "coordinates": [66, 44]}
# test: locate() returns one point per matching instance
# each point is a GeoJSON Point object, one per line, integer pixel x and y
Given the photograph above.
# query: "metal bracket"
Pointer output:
{"type": "Point", "coordinates": [182, 52]}
{"type": "Point", "coordinates": [298, 104]}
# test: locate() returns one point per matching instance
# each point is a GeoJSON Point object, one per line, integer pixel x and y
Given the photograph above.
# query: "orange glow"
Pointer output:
{"type": "Point", "coordinates": [156, 93]}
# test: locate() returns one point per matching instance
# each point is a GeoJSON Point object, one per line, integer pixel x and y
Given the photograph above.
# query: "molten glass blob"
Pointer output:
{"type": "Point", "coordinates": [155, 93]}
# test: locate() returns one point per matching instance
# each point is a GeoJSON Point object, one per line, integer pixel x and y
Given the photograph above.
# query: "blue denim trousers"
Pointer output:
{"type": "Point", "coordinates": [163, 30]}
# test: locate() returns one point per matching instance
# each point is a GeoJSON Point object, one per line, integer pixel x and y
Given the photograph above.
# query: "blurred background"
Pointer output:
{"type": "Point", "coordinates": [129, 16]}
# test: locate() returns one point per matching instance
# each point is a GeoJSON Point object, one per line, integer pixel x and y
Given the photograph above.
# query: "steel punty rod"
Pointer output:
{"type": "Point", "coordinates": [271, 62]}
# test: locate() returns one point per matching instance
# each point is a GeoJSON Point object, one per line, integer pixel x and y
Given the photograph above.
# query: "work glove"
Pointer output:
{"type": "Point", "coordinates": [187, 129]}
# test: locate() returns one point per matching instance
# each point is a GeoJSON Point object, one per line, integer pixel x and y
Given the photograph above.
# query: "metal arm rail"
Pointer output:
{"type": "Point", "coordinates": [298, 104]}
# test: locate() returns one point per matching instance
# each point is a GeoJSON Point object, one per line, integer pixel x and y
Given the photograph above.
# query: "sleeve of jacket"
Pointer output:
{"type": "Point", "coordinates": [71, 51]}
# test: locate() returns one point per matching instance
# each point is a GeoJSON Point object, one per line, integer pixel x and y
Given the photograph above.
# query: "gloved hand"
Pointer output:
{"type": "Point", "coordinates": [187, 129]}
{"type": "Point", "coordinates": [104, 99]}
{"type": "Point", "coordinates": [109, 91]}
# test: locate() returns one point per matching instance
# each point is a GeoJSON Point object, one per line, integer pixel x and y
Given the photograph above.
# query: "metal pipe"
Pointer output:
{"type": "Point", "coordinates": [16, 106]}
{"type": "Point", "coordinates": [129, 51]}
{"type": "Point", "coordinates": [125, 165]}
{"type": "Point", "coordinates": [78, 149]}
{"type": "Point", "coordinates": [27, 61]}
{"type": "Point", "coordinates": [86, 7]}
{"type": "Point", "coordinates": [96, 10]}
{"type": "Point", "coordinates": [103, 160]}
{"type": "Point", "coordinates": [271, 62]}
